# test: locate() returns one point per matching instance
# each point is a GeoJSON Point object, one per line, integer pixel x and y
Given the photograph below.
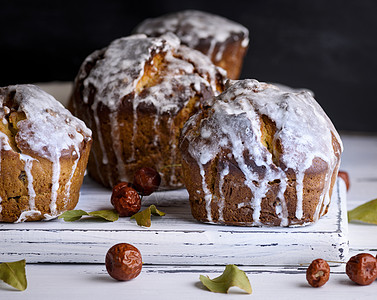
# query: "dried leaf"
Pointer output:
{"type": "Point", "coordinates": [73, 215]}
{"type": "Point", "coordinates": [155, 211]}
{"type": "Point", "coordinates": [143, 218]}
{"type": "Point", "coordinates": [106, 214]}
{"type": "Point", "coordinates": [366, 212]}
{"type": "Point", "coordinates": [14, 274]}
{"type": "Point", "coordinates": [232, 276]}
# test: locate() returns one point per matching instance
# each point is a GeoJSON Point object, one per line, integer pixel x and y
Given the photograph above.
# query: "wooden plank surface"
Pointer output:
{"type": "Point", "coordinates": [176, 238]}
{"type": "Point", "coordinates": [180, 282]}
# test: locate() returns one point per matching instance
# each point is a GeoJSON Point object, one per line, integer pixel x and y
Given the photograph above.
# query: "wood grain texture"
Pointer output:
{"type": "Point", "coordinates": [180, 282]}
{"type": "Point", "coordinates": [176, 239]}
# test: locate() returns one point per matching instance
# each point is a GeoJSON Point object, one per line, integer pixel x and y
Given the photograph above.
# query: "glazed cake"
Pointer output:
{"type": "Point", "coordinates": [260, 156]}
{"type": "Point", "coordinates": [44, 152]}
{"type": "Point", "coordinates": [135, 95]}
{"type": "Point", "coordinates": [223, 41]}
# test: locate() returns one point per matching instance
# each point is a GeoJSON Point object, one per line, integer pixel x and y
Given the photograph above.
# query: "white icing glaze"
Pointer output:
{"type": "Point", "coordinates": [28, 166]}
{"type": "Point", "coordinates": [69, 183]}
{"type": "Point", "coordinates": [281, 208]}
{"type": "Point", "coordinates": [48, 130]}
{"type": "Point", "coordinates": [122, 65]}
{"type": "Point", "coordinates": [4, 144]}
{"type": "Point", "coordinates": [233, 122]}
{"type": "Point", "coordinates": [48, 217]}
{"type": "Point", "coordinates": [245, 42]}
{"type": "Point", "coordinates": [192, 26]}
{"type": "Point", "coordinates": [26, 214]}
{"type": "Point", "coordinates": [223, 173]}
{"type": "Point", "coordinates": [116, 72]}
{"type": "Point", "coordinates": [220, 52]}
{"type": "Point", "coordinates": [207, 193]}
{"type": "Point", "coordinates": [55, 184]}
{"type": "Point", "coordinates": [63, 132]}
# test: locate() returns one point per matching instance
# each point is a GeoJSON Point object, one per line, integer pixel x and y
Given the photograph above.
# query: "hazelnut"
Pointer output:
{"type": "Point", "coordinates": [125, 199]}
{"type": "Point", "coordinates": [318, 272]}
{"type": "Point", "coordinates": [344, 175]}
{"type": "Point", "coordinates": [123, 262]}
{"type": "Point", "coordinates": [146, 180]}
{"type": "Point", "coordinates": [362, 268]}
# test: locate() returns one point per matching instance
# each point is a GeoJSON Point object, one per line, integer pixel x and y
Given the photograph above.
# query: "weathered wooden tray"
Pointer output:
{"type": "Point", "coordinates": [176, 238]}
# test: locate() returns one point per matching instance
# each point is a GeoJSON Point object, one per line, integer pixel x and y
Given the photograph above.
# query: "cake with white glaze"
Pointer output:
{"type": "Point", "coordinates": [135, 95]}
{"type": "Point", "coordinates": [44, 152]}
{"type": "Point", "coordinates": [259, 156]}
{"type": "Point", "coordinates": [225, 42]}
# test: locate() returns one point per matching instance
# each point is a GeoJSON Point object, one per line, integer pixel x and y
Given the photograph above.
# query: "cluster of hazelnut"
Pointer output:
{"type": "Point", "coordinates": [126, 196]}
{"type": "Point", "coordinates": [123, 261]}
{"type": "Point", "coordinates": [361, 269]}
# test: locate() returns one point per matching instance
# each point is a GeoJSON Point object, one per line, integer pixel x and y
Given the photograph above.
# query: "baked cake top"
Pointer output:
{"type": "Point", "coordinates": [35, 121]}
{"type": "Point", "coordinates": [157, 72]}
{"type": "Point", "coordinates": [268, 132]}
{"type": "Point", "coordinates": [191, 26]}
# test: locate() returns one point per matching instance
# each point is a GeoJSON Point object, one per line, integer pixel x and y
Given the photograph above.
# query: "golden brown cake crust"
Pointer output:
{"type": "Point", "coordinates": [137, 111]}
{"type": "Point", "coordinates": [256, 157]}
{"type": "Point", "coordinates": [44, 152]}
{"type": "Point", "coordinates": [223, 41]}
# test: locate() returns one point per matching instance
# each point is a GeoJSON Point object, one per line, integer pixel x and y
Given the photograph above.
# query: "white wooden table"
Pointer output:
{"type": "Point", "coordinates": [163, 281]}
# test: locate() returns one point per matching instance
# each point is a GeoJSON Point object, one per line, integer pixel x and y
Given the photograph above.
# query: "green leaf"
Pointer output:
{"type": "Point", "coordinates": [232, 276]}
{"type": "Point", "coordinates": [143, 218]}
{"type": "Point", "coordinates": [14, 274]}
{"type": "Point", "coordinates": [155, 211]}
{"type": "Point", "coordinates": [107, 214]}
{"type": "Point", "coordinates": [73, 215]}
{"type": "Point", "coordinates": [366, 212]}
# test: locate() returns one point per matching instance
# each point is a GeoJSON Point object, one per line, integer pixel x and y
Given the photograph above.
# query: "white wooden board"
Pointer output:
{"type": "Point", "coordinates": [91, 282]}
{"type": "Point", "coordinates": [177, 238]}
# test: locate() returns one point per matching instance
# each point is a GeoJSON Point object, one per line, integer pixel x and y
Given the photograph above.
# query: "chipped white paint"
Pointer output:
{"type": "Point", "coordinates": [175, 238]}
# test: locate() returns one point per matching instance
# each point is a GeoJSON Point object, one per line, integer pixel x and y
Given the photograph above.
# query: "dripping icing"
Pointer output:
{"type": "Point", "coordinates": [69, 183]}
{"type": "Point", "coordinates": [223, 173]}
{"type": "Point", "coordinates": [117, 72]}
{"type": "Point", "coordinates": [240, 106]}
{"type": "Point", "coordinates": [207, 193]}
{"type": "Point", "coordinates": [193, 26]}
{"type": "Point", "coordinates": [28, 166]}
{"type": "Point", "coordinates": [62, 133]}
